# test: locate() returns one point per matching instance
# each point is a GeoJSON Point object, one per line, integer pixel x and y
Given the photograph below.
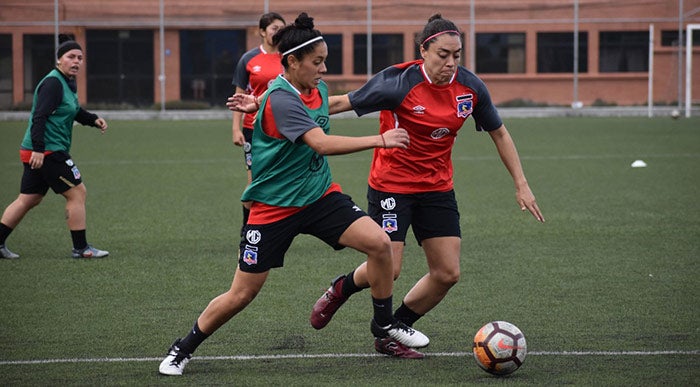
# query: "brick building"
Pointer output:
{"type": "Point", "coordinates": [522, 49]}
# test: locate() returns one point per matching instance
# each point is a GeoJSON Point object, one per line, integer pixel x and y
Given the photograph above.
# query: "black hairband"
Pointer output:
{"type": "Point", "coordinates": [67, 46]}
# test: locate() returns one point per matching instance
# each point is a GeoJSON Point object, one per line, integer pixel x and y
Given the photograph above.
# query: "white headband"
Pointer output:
{"type": "Point", "coordinates": [306, 43]}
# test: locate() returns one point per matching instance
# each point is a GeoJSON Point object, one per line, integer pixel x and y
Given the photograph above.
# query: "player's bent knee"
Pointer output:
{"type": "Point", "coordinates": [241, 298]}
{"type": "Point", "coordinates": [447, 278]}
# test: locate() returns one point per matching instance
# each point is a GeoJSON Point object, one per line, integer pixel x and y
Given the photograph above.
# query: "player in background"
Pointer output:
{"type": "Point", "coordinates": [292, 192]}
{"type": "Point", "coordinates": [413, 187]}
{"type": "Point", "coordinates": [256, 69]}
{"type": "Point", "coordinates": [44, 152]}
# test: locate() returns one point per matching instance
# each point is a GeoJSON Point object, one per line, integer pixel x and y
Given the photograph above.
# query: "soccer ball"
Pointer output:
{"type": "Point", "coordinates": [499, 348]}
{"type": "Point", "coordinates": [675, 114]}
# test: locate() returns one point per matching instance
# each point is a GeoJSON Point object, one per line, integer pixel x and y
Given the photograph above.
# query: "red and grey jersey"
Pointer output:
{"type": "Point", "coordinates": [432, 115]}
{"type": "Point", "coordinates": [254, 73]}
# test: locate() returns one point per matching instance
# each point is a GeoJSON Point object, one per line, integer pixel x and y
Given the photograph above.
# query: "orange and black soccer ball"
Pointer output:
{"type": "Point", "coordinates": [499, 348]}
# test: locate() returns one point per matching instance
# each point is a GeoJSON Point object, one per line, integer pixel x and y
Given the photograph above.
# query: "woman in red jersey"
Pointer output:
{"type": "Point", "coordinates": [431, 98]}
{"type": "Point", "coordinates": [254, 72]}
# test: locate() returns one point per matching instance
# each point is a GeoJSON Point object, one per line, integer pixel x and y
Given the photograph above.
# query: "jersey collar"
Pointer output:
{"type": "Point", "coordinates": [290, 84]}
{"type": "Point", "coordinates": [425, 74]}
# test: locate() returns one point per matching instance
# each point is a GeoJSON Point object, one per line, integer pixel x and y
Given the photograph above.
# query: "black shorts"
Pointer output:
{"type": "Point", "coordinates": [59, 173]}
{"type": "Point", "coordinates": [430, 214]}
{"type": "Point", "coordinates": [264, 246]}
{"type": "Point", "coordinates": [247, 155]}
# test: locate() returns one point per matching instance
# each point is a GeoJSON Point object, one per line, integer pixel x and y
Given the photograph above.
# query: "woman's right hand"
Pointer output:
{"type": "Point", "coordinates": [395, 138]}
{"type": "Point", "coordinates": [36, 160]}
{"type": "Point", "coordinates": [245, 103]}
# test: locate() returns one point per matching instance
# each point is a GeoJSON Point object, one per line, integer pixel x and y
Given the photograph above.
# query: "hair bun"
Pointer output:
{"type": "Point", "coordinates": [304, 21]}
{"type": "Point", "coordinates": [435, 17]}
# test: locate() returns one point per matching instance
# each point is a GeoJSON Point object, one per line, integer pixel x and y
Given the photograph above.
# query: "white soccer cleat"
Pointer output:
{"type": "Point", "coordinates": [175, 362]}
{"type": "Point", "coordinates": [6, 253]}
{"type": "Point", "coordinates": [401, 333]}
{"type": "Point", "coordinates": [89, 252]}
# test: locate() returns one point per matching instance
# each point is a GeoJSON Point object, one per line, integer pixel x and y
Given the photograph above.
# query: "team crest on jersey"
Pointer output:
{"type": "Point", "coordinates": [418, 109]}
{"type": "Point", "coordinates": [250, 255]}
{"type": "Point", "coordinates": [465, 105]}
{"type": "Point", "coordinates": [256, 69]}
{"type": "Point", "coordinates": [389, 223]}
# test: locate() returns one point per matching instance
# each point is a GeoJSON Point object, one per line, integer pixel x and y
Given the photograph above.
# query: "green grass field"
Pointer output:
{"type": "Point", "coordinates": [606, 291]}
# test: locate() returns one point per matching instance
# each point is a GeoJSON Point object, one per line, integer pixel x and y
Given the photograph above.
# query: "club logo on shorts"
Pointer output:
{"type": "Point", "coordinates": [76, 172]}
{"type": "Point", "coordinates": [70, 162]}
{"type": "Point", "coordinates": [389, 223]}
{"type": "Point", "coordinates": [252, 236]}
{"type": "Point", "coordinates": [250, 255]}
{"type": "Point", "coordinates": [388, 204]}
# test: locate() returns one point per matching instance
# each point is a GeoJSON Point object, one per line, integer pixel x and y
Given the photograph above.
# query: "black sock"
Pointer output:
{"type": "Point", "coordinates": [349, 287]}
{"type": "Point", "coordinates": [382, 311]}
{"type": "Point", "coordinates": [5, 231]}
{"type": "Point", "coordinates": [406, 315]}
{"type": "Point", "coordinates": [79, 239]}
{"type": "Point", "coordinates": [190, 343]}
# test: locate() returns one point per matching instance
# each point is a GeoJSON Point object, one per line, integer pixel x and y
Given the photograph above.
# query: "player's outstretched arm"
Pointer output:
{"type": "Point", "coordinates": [325, 144]}
{"type": "Point", "coordinates": [338, 104]}
{"type": "Point", "coordinates": [509, 155]}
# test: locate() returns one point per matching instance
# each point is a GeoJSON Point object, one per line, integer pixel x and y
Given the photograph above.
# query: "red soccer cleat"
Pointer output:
{"type": "Point", "coordinates": [391, 347]}
{"type": "Point", "coordinates": [328, 304]}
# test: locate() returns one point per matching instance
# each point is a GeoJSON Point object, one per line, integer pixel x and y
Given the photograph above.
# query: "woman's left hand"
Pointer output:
{"type": "Point", "coordinates": [101, 124]}
{"type": "Point", "coordinates": [526, 201]}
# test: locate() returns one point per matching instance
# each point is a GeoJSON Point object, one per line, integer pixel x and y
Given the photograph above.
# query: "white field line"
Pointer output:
{"type": "Point", "coordinates": [341, 355]}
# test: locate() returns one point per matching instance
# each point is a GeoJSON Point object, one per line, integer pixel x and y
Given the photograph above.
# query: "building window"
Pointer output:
{"type": "Point", "coordinates": [39, 58]}
{"type": "Point", "coordinates": [555, 52]}
{"type": "Point", "coordinates": [502, 53]}
{"type": "Point", "coordinates": [669, 38]}
{"type": "Point", "coordinates": [5, 71]}
{"type": "Point", "coordinates": [624, 51]}
{"type": "Point", "coordinates": [208, 59]}
{"type": "Point", "coordinates": [334, 62]}
{"type": "Point", "coordinates": [120, 67]}
{"type": "Point", "coordinates": [387, 50]}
